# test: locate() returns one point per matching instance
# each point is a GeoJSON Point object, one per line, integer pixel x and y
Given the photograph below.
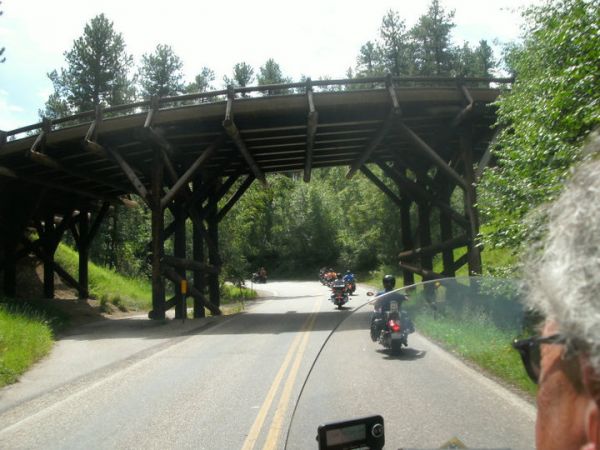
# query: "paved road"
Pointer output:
{"type": "Point", "coordinates": [233, 382]}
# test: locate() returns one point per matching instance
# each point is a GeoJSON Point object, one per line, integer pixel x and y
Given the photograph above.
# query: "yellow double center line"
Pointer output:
{"type": "Point", "coordinates": [298, 347]}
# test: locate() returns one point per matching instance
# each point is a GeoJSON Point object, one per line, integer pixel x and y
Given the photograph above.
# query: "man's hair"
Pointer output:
{"type": "Point", "coordinates": [564, 275]}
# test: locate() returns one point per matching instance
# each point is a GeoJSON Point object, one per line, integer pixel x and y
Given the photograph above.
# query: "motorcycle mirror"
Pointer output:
{"type": "Point", "coordinates": [370, 294]}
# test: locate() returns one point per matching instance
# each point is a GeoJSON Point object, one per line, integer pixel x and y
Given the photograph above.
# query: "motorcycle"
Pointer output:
{"type": "Point", "coordinates": [339, 294]}
{"type": "Point", "coordinates": [351, 286]}
{"type": "Point", "coordinates": [391, 325]}
{"type": "Point", "coordinates": [258, 278]}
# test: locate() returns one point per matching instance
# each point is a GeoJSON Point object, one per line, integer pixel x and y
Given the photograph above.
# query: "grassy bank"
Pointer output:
{"type": "Point", "coordinates": [25, 337]}
{"type": "Point", "coordinates": [477, 320]}
{"type": "Point", "coordinates": [108, 286]}
{"type": "Point", "coordinates": [479, 342]}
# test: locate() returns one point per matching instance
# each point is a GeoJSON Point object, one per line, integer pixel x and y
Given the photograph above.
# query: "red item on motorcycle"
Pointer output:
{"type": "Point", "coordinates": [394, 326]}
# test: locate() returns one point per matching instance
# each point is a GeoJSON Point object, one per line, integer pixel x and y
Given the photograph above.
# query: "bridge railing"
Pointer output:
{"type": "Point", "coordinates": [256, 91]}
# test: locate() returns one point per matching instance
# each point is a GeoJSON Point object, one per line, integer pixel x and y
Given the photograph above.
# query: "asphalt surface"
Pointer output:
{"type": "Point", "coordinates": [234, 382]}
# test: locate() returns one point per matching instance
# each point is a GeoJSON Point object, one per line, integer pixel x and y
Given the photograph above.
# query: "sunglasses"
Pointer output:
{"type": "Point", "coordinates": [529, 349]}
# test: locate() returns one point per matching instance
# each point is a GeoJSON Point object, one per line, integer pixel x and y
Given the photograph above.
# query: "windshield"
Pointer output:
{"type": "Point", "coordinates": [457, 377]}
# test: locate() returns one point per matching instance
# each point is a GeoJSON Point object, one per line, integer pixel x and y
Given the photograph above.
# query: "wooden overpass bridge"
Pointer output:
{"type": "Point", "coordinates": [186, 154]}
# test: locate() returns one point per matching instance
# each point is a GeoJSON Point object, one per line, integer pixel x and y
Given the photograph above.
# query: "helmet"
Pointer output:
{"type": "Point", "coordinates": [348, 271]}
{"type": "Point", "coordinates": [339, 275]}
{"type": "Point", "coordinates": [389, 281]}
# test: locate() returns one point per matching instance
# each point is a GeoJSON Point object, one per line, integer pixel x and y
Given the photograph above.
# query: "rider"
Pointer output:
{"type": "Point", "coordinates": [349, 277]}
{"type": "Point", "coordinates": [382, 306]}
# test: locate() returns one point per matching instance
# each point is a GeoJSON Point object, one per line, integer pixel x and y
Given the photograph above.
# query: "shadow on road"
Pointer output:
{"type": "Point", "coordinates": [242, 324]}
{"type": "Point", "coordinates": [407, 354]}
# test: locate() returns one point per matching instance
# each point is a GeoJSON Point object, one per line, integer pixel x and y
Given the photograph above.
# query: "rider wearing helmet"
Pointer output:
{"type": "Point", "coordinates": [349, 276]}
{"type": "Point", "coordinates": [381, 306]}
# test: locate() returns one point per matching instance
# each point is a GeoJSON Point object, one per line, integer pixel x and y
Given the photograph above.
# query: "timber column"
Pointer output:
{"type": "Point", "coordinates": [198, 254]}
{"type": "Point", "coordinates": [213, 249]}
{"type": "Point", "coordinates": [179, 250]}
{"type": "Point", "coordinates": [407, 240]}
{"type": "Point", "coordinates": [470, 198]}
{"type": "Point", "coordinates": [158, 224]}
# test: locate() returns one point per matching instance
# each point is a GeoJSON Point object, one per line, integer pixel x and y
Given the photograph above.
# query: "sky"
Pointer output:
{"type": "Point", "coordinates": [313, 38]}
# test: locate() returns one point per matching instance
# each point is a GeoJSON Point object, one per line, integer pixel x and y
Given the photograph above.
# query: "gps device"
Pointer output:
{"type": "Point", "coordinates": [362, 433]}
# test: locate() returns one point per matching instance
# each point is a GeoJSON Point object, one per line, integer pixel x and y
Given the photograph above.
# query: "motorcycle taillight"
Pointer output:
{"type": "Point", "coordinates": [394, 326]}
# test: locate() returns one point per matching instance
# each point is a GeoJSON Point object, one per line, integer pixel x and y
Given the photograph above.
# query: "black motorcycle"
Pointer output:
{"type": "Point", "coordinates": [390, 325]}
{"type": "Point", "coordinates": [339, 294]}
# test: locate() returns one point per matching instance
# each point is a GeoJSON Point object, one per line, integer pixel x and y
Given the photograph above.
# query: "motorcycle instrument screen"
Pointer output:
{"type": "Point", "coordinates": [346, 435]}
{"type": "Point", "coordinates": [365, 432]}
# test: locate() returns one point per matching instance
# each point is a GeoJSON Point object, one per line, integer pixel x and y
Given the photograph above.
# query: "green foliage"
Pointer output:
{"type": "Point", "coordinates": [161, 73]}
{"type": "Point", "coordinates": [271, 73]}
{"type": "Point", "coordinates": [425, 49]}
{"type": "Point", "coordinates": [25, 337]}
{"type": "Point", "coordinates": [432, 53]}
{"type": "Point", "coordinates": [202, 81]}
{"type": "Point", "coordinates": [243, 75]}
{"type": "Point", "coordinates": [107, 285]}
{"type": "Point", "coordinates": [97, 71]}
{"type": "Point", "coordinates": [552, 106]}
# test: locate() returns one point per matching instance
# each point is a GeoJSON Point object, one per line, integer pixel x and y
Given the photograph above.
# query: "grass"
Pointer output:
{"type": "Point", "coordinates": [106, 285]}
{"type": "Point", "coordinates": [476, 320]}
{"type": "Point", "coordinates": [26, 335]}
{"type": "Point", "coordinates": [480, 342]}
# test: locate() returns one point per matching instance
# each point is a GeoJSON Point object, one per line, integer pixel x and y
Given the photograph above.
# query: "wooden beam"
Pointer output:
{"type": "Point", "coordinates": [235, 197]}
{"type": "Point", "coordinates": [407, 240]}
{"type": "Point", "coordinates": [381, 185]}
{"type": "Point", "coordinates": [457, 242]}
{"type": "Point", "coordinates": [129, 173]}
{"type": "Point", "coordinates": [236, 137]}
{"type": "Point", "coordinates": [198, 255]}
{"type": "Point", "coordinates": [470, 200]}
{"type": "Point", "coordinates": [84, 254]}
{"type": "Point", "coordinates": [466, 111]}
{"type": "Point", "coordinates": [97, 222]}
{"type": "Point", "coordinates": [9, 173]}
{"type": "Point", "coordinates": [487, 156]}
{"type": "Point", "coordinates": [188, 264]}
{"type": "Point", "coordinates": [192, 170]}
{"type": "Point", "coordinates": [311, 130]}
{"type": "Point", "coordinates": [170, 273]}
{"type": "Point", "coordinates": [214, 258]}
{"type": "Point", "coordinates": [464, 259]}
{"type": "Point", "coordinates": [179, 250]}
{"type": "Point", "coordinates": [52, 163]}
{"type": "Point", "coordinates": [425, 273]}
{"type": "Point", "coordinates": [418, 193]}
{"type": "Point", "coordinates": [432, 155]}
{"type": "Point", "coordinates": [373, 143]}
{"type": "Point", "coordinates": [158, 287]}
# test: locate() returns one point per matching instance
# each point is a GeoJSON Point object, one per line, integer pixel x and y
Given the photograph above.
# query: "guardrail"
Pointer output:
{"type": "Point", "coordinates": [308, 84]}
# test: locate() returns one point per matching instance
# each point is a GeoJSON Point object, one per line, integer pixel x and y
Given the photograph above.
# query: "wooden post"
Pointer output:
{"type": "Point", "coordinates": [446, 235]}
{"type": "Point", "coordinates": [213, 250]}
{"type": "Point", "coordinates": [470, 199]}
{"type": "Point", "coordinates": [425, 234]}
{"type": "Point", "coordinates": [198, 256]}
{"type": "Point", "coordinates": [179, 248]}
{"type": "Point", "coordinates": [49, 249]}
{"type": "Point", "coordinates": [407, 240]}
{"type": "Point", "coordinates": [83, 247]}
{"type": "Point", "coordinates": [158, 223]}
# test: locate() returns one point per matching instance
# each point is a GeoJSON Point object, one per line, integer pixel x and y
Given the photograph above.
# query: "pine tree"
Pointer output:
{"type": "Point", "coordinates": [271, 73]}
{"type": "Point", "coordinates": [243, 75]}
{"type": "Point", "coordinates": [202, 81]}
{"type": "Point", "coordinates": [394, 48]}
{"type": "Point", "coordinates": [161, 74]}
{"type": "Point", "coordinates": [431, 38]}
{"type": "Point", "coordinates": [97, 71]}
